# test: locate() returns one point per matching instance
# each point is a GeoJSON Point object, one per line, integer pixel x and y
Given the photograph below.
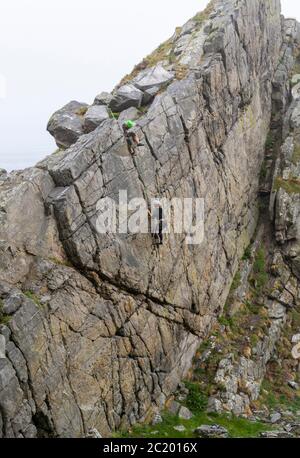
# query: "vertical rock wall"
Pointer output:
{"type": "Point", "coordinates": [99, 329]}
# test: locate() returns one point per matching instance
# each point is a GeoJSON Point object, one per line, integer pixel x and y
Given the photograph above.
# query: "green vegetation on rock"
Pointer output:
{"type": "Point", "coordinates": [247, 253]}
{"type": "Point", "coordinates": [202, 16]}
{"type": "Point", "coordinates": [196, 400]}
{"type": "Point", "coordinates": [4, 319]}
{"type": "Point", "coordinates": [82, 111]}
{"type": "Point", "coordinates": [60, 262]}
{"type": "Point", "coordinates": [259, 275]}
{"type": "Point", "coordinates": [291, 186]}
{"type": "Point", "coordinates": [270, 141]}
{"type": "Point", "coordinates": [296, 154]}
{"type": "Point", "coordinates": [276, 395]}
{"type": "Point", "coordinates": [32, 296]}
{"type": "Point", "coordinates": [237, 427]}
{"type": "Point", "coordinates": [164, 52]}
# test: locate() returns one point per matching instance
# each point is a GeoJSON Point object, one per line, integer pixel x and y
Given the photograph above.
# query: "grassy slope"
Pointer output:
{"type": "Point", "coordinates": [237, 427]}
{"type": "Point", "coordinates": [196, 402]}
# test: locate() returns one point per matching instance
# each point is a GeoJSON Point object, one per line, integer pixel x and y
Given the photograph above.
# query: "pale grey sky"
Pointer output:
{"type": "Point", "coordinates": [54, 51]}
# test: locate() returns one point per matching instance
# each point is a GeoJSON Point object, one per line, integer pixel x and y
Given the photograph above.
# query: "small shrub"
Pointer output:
{"type": "Point", "coordinates": [60, 262]}
{"type": "Point", "coordinates": [254, 309]}
{"type": "Point", "coordinates": [4, 319]}
{"type": "Point", "coordinates": [114, 115]}
{"type": "Point", "coordinates": [296, 154]}
{"type": "Point", "coordinates": [259, 275]}
{"type": "Point", "coordinates": [270, 141]}
{"type": "Point", "coordinates": [254, 340]}
{"type": "Point", "coordinates": [247, 254]}
{"type": "Point", "coordinates": [82, 111]}
{"type": "Point", "coordinates": [196, 400]}
{"type": "Point", "coordinates": [263, 172]}
{"type": "Point", "coordinates": [295, 318]}
{"type": "Point", "coordinates": [143, 110]}
{"type": "Point", "coordinates": [236, 282]}
{"type": "Point", "coordinates": [225, 321]}
{"type": "Point", "coordinates": [296, 69]}
{"type": "Point", "coordinates": [33, 297]}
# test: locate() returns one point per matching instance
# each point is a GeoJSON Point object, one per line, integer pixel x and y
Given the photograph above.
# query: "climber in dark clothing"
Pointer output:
{"type": "Point", "coordinates": [132, 139]}
{"type": "Point", "coordinates": [158, 222]}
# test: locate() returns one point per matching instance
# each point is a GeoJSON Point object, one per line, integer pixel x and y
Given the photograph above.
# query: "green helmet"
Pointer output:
{"type": "Point", "coordinates": [129, 124]}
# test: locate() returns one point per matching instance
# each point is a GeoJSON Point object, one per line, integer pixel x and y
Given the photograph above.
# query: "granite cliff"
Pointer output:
{"type": "Point", "coordinates": [97, 331]}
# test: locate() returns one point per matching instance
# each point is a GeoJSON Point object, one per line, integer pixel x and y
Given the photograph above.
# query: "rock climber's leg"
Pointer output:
{"type": "Point", "coordinates": [137, 140]}
{"type": "Point", "coordinates": [130, 145]}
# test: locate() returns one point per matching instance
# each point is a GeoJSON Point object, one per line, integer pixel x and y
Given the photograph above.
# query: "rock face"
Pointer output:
{"type": "Point", "coordinates": [66, 124]}
{"type": "Point", "coordinates": [103, 98]}
{"type": "Point", "coordinates": [131, 113]}
{"type": "Point", "coordinates": [94, 116]}
{"type": "Point", "coordinates": [154, 77]}
{"type": "Point", "coordinates": [125, 97]}
{"type": "Point", "coordinates": [286, 191]}
{"type": "Point", "coordinates": [100, 328]}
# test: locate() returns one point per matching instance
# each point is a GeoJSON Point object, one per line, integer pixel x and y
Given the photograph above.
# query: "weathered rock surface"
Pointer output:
{"type": "Point", "coordinates": [94, 116]}
{"type": "Point", "coordinates": [286, 190]}
{"type": "Point", "coordinates": [184, 413]}
{"type": "Point", "coordinates": [275, 417]}
{"type": "Point", "coordinates": [93, 434]}
{"type": "Point", "coordinates": [104, 98]}
{"type": "Point", "coordinates": [212, 432]}
{"type": "Point", "coordinates": [131, 113]}
{"type": "Point", "coordinates": [152, 78]}
{"type": "Point", "coordinates": [240, 372]}
{"type": "Point", "coordinates": [173, 407]}
{"type": "Point", "coordinates": [2, 347]}
{"type": "Point", "coordinates": [149, 94]}
{"type": "Point", "coordinates": [125, 97]}
{"type": "Point", "coordinates": [66, 124]}
{"type": "Point", "coordinates": [100, 328]}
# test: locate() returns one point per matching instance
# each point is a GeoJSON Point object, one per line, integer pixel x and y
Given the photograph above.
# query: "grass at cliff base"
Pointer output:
{"type": "Point", "coordinates": [237, 427]}
{"type": "Point", "coordinates": [196, 402]}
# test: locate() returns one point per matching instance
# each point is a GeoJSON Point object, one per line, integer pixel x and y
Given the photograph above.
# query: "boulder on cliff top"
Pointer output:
{"type": "Point", "coordinates": [94, 116]}
{"type": "Point", "coordinates": [151, 77]}
{"type": "Point", "coordinates": [104, 98]}
{"type": "Point", "coordinates": [66, 124]}
{"type": "Point", "coordinates": [125, 97]}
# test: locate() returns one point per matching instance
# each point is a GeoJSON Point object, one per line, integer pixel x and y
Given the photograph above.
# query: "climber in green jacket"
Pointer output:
{"type": "Point", "coordinates": [132, 139]}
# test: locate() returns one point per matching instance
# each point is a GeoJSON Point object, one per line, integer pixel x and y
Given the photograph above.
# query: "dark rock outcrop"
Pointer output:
{"type": "Point", "coordinates": [66, 124]}
{"type": "Point", "coordinates": [94, 116]}
{"type": "Point", "coordinates": [103, 98]}
{"type": "Point", "coordinates": [154, 77]}
{"type": "Point", "coordinates": [125, 97]}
